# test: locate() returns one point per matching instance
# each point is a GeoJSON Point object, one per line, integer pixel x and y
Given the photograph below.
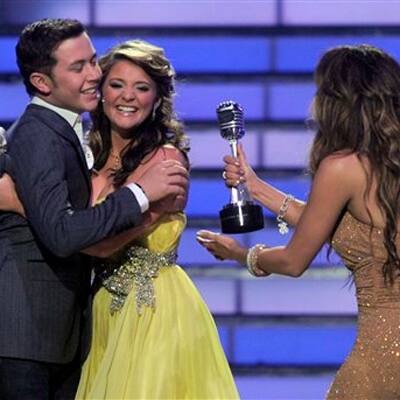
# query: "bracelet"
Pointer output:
{"type": "Point", "coordinates": [252, 257]}
{"type": "Point", "coordinates": [282, 224]}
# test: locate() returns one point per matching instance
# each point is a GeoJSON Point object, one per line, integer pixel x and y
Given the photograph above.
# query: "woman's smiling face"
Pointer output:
{"type": "Point", "coordinates": [129, 95]}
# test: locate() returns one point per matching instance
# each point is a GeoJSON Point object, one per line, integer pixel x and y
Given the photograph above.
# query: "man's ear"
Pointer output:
{"type": "Point", "coordinates": [41, 82]}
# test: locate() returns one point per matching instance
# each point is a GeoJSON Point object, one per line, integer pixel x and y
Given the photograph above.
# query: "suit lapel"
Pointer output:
{"type": "Point", "coordinates": [62, 128]}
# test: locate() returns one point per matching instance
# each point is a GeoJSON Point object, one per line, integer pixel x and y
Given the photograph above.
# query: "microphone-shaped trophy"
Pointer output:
{"type": "Point", "coordinates": [241, 214]}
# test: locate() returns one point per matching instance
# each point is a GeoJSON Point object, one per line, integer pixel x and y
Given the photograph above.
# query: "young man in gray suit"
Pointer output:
{"type": "Point", "coordinates": [44, 280]}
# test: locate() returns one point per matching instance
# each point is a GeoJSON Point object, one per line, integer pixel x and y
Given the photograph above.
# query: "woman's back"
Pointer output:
{"type": "Point", "coordinates": [372, 370]}
{"type": "Point", "coordinates": [363, 204]}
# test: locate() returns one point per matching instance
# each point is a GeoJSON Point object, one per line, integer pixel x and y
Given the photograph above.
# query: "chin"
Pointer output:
{"type": "Point", "coordinates": [126, 129]}
{"type": "Point", "coordinates": [128, 126]}
{"type": "Point", "coordinates": [91, 106]}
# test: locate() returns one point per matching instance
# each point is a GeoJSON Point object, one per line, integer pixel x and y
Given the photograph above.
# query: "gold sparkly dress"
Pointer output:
{"type": "Point", "coordinates": [153, 335]}
{"type": "Point", "coordinates": [372, 370]}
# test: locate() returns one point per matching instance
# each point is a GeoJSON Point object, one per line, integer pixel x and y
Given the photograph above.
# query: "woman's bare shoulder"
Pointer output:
{"type": "Point", "coordinates": [345, 172]}
{"type": "Point", "coordinates": [165, 152]}
{"type": "Point", "coordinates": [341, 159]}
{"type": "Point", "coordinates": [344, 164]}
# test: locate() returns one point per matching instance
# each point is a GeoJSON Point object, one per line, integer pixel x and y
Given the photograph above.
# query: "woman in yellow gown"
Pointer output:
{"type": "Point", "coordinates": [153, 335]}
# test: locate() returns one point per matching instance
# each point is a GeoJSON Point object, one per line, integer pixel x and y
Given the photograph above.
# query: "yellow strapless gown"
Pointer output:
{"type": "Point", "coordinates": [169, 351]}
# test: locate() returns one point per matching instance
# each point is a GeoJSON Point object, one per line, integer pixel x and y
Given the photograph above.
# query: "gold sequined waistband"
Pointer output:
{"type": "Point", "coordinates": [139, 267]}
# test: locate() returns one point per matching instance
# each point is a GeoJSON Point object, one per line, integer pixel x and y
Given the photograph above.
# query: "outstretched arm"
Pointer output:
{"type": "Point", "coordinates": [40, 160]}
{"type": "Point", "coordinates": [331, 191]}
{"type": "Point", "coordinates": [39, 165]}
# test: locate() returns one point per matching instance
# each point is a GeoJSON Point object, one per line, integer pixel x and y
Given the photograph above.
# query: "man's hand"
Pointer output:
{"type": "Point", "coordinates": [169, 204]}
{"type": "Point", "coordinates": [166, 178]}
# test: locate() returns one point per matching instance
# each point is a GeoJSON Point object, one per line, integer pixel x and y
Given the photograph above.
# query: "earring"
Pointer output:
{"type": "Point", "coordinates": [102, 100]}
{"type": "Point", "coordinates": [155, 108]}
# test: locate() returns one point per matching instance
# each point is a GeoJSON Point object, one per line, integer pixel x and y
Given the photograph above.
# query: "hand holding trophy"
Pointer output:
{"type": "Point", "coordinates": [241, 214]}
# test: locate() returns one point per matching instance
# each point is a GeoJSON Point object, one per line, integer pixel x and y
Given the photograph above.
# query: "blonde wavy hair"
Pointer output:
{"type": "Point", "coordinates": [161, 127]}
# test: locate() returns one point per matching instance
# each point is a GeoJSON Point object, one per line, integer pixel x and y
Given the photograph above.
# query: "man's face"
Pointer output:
{"type": "Point", "coordinates": [75, 77]}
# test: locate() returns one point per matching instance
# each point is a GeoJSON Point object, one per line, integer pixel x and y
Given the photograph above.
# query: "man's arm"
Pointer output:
{"type": "Point", "coordinates": [39, 173]}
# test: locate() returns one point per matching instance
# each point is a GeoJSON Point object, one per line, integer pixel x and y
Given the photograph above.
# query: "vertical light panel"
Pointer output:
{"type": "Point", "coordinates": [8, 58]}
{"type": "Point", "coordinates": [204, 53]}
{"type": "Point", "coordinates": [294, 344]}
{"type": "Point", "coordinates": [337, 12]}
{"type": "Point", "coordinates": [290, 100]}
{"type": "Point", "coordinates": [208, 149]}
{"type": "Point", "coordinates": [185, 13]}
{"type": "Point", "coordinates": [286, 149]}
{"type": "Point", "coordinates": [290, 296]}
{"type": "Point", "coordinates": [211, 290]}
{"type": "Point", "coordinates": [26, 11]}
{"type": "Point", "coordinates": [198, 101]}
{"type": "Point", "coordinates": [13, 100]}
{"type": "Point", "coordinates": [302, 53]}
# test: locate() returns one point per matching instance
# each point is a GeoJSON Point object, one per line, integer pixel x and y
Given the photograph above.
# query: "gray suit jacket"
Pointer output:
{"type": "Point", "coordinates": [44, 281]}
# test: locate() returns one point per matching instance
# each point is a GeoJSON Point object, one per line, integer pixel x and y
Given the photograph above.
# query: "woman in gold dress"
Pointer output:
{"type": "Point", "coordinates": [353, 205]}
{"type": "Point", "coordinates": [153, 335]}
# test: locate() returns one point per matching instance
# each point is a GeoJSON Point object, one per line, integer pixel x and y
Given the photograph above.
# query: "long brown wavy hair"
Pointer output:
{"type": "Point", "coordinates": [161, 127]}
{"type": "Point", "coordinates": [357, 110]}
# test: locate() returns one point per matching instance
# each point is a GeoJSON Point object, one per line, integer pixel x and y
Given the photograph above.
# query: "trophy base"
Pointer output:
{"type": "Point", "coordinates": [241, 218]}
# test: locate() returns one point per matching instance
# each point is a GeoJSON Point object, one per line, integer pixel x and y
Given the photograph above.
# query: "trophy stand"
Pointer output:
{"type": "Point", "coordinates": [241, 214]}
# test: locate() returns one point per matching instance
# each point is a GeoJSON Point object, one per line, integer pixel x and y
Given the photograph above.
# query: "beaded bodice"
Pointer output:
{"type": "Point", "coordinates": [140, 263]}
{"type": "Point", "coordinates": [362, 249]}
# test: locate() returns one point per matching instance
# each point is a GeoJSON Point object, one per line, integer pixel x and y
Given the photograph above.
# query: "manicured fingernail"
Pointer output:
{"type": "Point", "coordinates": [200, 239]}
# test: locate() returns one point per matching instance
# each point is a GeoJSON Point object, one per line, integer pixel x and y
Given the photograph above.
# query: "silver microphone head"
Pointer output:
{"type": "Point", "coordinates": [230, 120]}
